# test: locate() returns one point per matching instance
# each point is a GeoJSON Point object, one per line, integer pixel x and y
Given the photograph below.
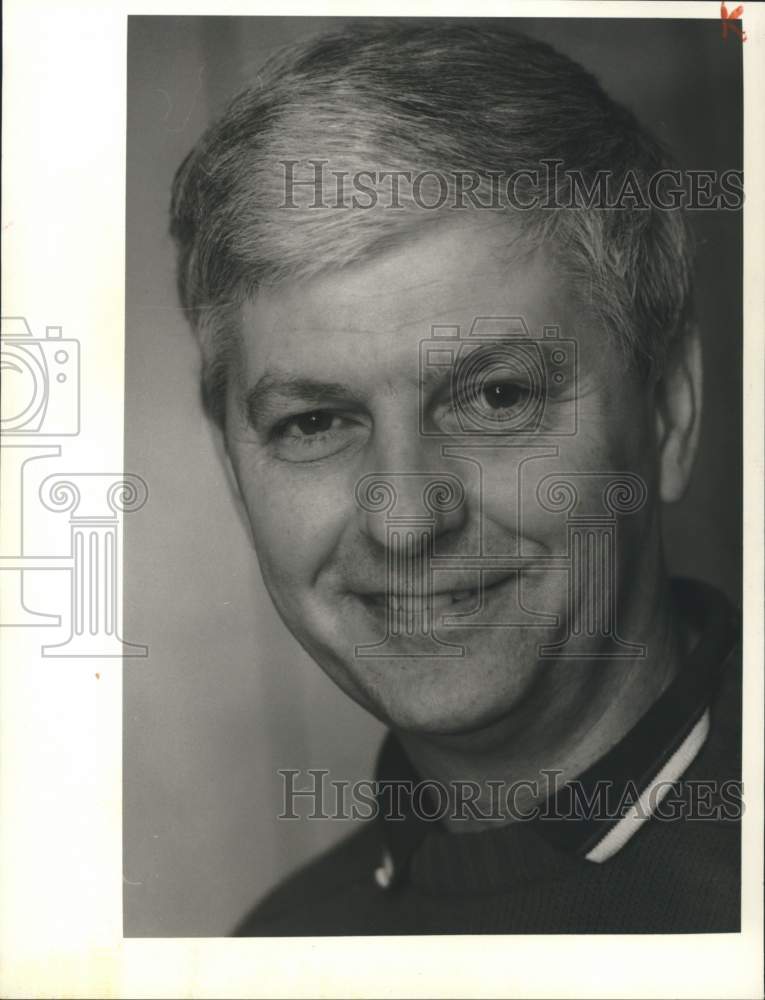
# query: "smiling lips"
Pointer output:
{"type": "Point", "coordinates": [406, 602]}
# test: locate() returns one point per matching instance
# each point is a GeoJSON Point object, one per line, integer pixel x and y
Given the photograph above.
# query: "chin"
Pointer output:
{"type": "Point", "coordinates": [442, 696]}
{"type": "Point", "coordinates": [463, 693]}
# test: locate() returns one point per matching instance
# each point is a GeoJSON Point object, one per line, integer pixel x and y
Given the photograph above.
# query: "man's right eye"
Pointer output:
{"type": "Point", "coordinates": [313, 423]}
{"type": "Point", "coordinates": [315, 434]}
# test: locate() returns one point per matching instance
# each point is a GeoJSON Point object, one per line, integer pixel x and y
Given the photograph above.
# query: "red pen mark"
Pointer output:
{"type": "Point", "coordinates": [728, 19]}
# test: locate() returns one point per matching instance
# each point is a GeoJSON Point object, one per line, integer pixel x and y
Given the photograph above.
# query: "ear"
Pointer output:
{"type": "Point", "coordinates": [678, 414]}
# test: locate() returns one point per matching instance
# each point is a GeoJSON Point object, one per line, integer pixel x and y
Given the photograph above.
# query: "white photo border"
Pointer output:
{"type": "Point", "coordinates": [61, 720]}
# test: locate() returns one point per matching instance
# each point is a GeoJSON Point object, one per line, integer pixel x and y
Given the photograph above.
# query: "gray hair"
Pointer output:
{"type": "Point", "coordinates": [413, 97]}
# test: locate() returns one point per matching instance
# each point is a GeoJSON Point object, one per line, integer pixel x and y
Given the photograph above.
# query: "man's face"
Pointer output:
{"type": "Point", "coordinates": [331, 390]}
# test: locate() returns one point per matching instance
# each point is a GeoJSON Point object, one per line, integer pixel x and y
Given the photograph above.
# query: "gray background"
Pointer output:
{"type": "Point", "coordinates": [226, 696]}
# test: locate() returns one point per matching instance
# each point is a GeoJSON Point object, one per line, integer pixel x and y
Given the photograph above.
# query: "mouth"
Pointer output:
{"type": "Point", "coordinates": [407, 606]}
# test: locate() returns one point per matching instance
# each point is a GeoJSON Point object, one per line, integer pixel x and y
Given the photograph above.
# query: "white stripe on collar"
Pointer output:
{"type": "Point", "coordinates": [631, 822]}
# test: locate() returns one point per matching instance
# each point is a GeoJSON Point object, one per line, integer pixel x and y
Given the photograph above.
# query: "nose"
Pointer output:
{"type": "Point", "coordinates": [415, 503]}
{"type": "Point", "coordinates": [406, 483]}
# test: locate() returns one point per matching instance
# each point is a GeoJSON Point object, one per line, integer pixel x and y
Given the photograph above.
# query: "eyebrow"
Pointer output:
{"type": "Point", "coordinates": [274, 388]}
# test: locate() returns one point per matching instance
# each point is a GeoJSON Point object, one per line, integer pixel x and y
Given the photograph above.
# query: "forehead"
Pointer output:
{"type": "Point", "coordinates": [373, 316]}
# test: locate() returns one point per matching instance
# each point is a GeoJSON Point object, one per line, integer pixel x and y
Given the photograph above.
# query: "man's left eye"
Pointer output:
{"type": "Point", "coordinates": [315, 434]}
{"type": "Point", "coordinates": [496, 406]}
{"type": "Point", "coordinates": [503, 395]}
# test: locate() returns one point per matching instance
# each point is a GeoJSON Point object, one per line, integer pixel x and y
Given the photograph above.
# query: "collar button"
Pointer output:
{"type": "Point", "coordinates": [384, 874]}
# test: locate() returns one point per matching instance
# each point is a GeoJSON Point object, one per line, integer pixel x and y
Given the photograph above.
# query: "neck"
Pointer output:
{"type": "Point", "coordinates": [574, 714]}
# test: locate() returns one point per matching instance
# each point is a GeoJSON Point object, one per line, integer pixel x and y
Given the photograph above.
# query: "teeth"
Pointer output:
{"type": "Point", "coordinates": [455, 597]}
{"type": "Point", "coordinates": [462, 595]}
{"type": "Point", "coordinates": [406, 606]}
{"type": "Point", "coordinates": [403, 609]}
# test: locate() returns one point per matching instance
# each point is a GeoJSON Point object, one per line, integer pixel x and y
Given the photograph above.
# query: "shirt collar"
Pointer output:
{"type": "Point", "coordinates": [568, 831]}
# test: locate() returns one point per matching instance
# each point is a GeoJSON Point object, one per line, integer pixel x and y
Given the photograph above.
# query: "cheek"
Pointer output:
{"type": "Point", "coordinates": [614, 431]}
{"type": "Point", "coordinates": [612, 438]}
{"type": "Point", "coordinates": [297, 518]}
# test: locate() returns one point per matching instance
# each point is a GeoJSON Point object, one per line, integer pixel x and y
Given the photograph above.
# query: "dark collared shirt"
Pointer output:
{"type": "Point", "coordinates": [646, 840]}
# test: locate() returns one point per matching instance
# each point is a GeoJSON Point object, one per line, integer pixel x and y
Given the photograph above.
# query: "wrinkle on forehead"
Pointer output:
{"type": "Point", "coordinates": [343, 323]}
{"type": "Point", "coordinates": [455, 243]}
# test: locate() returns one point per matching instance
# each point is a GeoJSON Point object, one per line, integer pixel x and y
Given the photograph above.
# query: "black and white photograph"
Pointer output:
{"type": "Point", "coordinates": [466, 297]}
{"type": "Point", "coordinates": [389, 540]}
